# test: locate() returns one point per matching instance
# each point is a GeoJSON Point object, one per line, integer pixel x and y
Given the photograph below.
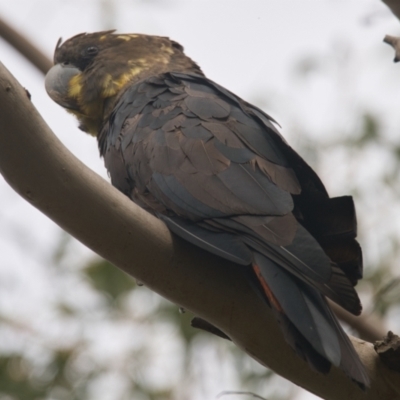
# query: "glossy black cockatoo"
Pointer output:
{"type": "Point", "coordinates": [215, 169]}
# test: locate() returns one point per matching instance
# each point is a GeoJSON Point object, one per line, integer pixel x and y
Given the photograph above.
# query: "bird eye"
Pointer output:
{"type": "Point", "coordinates": [92, 50]}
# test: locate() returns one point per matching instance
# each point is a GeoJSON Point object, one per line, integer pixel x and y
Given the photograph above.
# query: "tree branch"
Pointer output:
{"type": "Point", "coordinates": [46, 174]}
{"type": "Point", "coordinates": [394, 6]}
{"type": "Point", "coordinates": [368, 327]}
{"type": "Point", "coordinates": [395, 43]}
{"type": "Point", "coordinates": [25, 47]}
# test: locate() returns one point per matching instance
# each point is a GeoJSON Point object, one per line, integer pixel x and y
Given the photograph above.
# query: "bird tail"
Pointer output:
{"type": "Point", "coordinates": [333, 223]}
{"type": "Point", "coordinates": [306, 320]}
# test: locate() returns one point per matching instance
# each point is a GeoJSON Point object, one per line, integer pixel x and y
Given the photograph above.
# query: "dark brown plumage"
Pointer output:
{"type": "Point", "coordinates": [217, 171]}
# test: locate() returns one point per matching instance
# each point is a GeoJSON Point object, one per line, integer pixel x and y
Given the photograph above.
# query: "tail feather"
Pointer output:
{"type": "Point", "coordinates": [333, 217]}
{"type": "Point", "coordinates": [307, 323]}
{"type": "Point", "coordinates": [350, 362]}
{"type": "Point", "coordinates": [340, 290]}
{"type": "Point", "coordinates": [300, 345]}
{"type": "Point", "coordinates": [333, 222]}
{"type": "Point", "coordinates": [347, 255]}
{"type": "Point", "coordinates": [338, 287]}
{"type": "Point", "coordinates": [304, 257]}
{"type": "Point", "coordinates": [299, 307]}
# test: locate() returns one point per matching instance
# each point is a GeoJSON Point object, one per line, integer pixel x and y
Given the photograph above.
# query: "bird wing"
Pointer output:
{"type": "Point", "coordinates": [208, 163]}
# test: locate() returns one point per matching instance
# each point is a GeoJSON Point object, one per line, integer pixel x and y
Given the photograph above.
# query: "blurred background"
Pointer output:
{"type": "Point", "coordinates": [72, 327]}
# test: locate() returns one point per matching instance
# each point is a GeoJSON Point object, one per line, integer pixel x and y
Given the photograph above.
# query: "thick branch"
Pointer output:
{"type": "Point", "coordinates": [46, 174]}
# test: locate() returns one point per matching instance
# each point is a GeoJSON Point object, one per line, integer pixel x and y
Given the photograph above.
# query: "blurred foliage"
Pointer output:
{"type": "Point", "coordinates": [108, 280]}
{"type": "Point", "coordinates": [62, 375]}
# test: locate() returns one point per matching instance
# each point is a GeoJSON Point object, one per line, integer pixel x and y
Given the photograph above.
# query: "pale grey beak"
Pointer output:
{"type": "Point", "coordinates": [57, 84]}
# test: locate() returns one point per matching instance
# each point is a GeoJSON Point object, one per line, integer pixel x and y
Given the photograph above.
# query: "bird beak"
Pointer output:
{"type": "Point", "coordinates": [57, 84]}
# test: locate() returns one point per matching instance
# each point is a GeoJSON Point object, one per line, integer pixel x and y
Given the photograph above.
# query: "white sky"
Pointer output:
{"type": "Point", "coordinates": [251, 48]}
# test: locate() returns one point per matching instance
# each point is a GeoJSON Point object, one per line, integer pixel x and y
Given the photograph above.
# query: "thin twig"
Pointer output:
{"type": "Point", "coordinates": [395, 43]}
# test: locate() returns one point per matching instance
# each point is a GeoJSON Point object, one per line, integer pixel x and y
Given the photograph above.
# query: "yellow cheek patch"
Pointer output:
{"type": "Point", "coordinates": [107, 86]}
{"type": "Point", "coordinates": [75, 86]}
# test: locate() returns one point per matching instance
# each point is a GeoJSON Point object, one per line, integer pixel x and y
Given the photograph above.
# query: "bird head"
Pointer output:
{"type": "Point", "coordinates": [91, 71]}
